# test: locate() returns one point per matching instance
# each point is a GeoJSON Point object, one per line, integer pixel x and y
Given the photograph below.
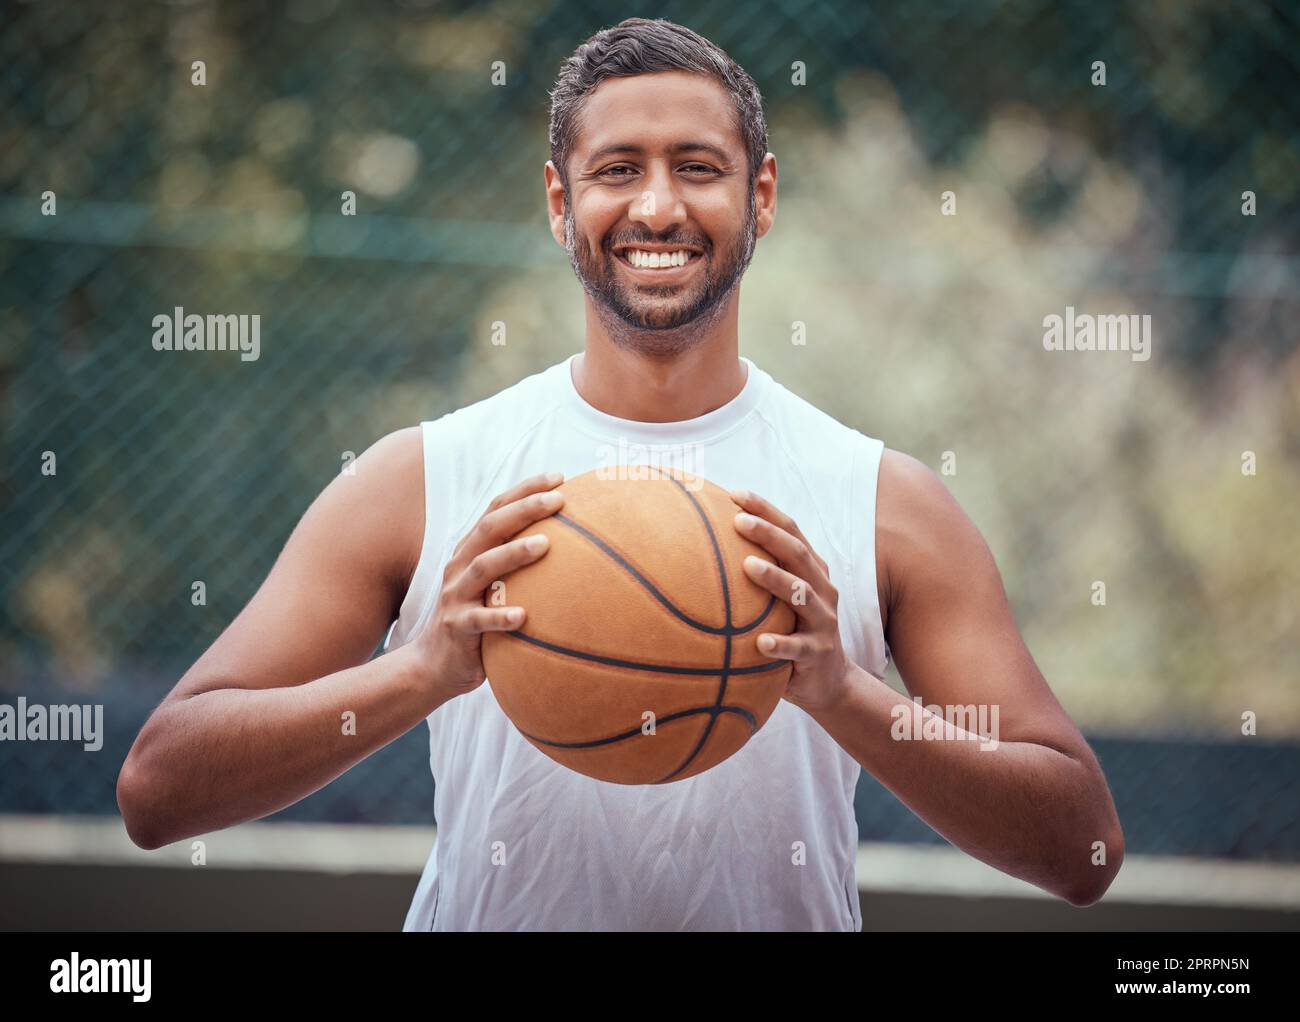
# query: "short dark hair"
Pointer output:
{"type": "Point", "coordinates": [639, 46]}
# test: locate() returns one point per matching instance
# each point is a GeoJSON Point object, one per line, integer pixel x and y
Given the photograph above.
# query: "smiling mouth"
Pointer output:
{"type": "Point", "coordinates": [656, 263]}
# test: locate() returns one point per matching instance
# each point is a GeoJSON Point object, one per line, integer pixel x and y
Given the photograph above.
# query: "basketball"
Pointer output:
{"type": "Point", "coordinates": [637, 661]}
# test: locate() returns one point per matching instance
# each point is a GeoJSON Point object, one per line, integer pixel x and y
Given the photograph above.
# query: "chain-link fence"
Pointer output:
{"type": "Point", "coordinates": [1113, 158]}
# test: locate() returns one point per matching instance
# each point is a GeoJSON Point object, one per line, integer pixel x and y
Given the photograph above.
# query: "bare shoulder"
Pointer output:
{"type": "Point", "coordinates": [396, 483]}
{"type": "Point", "coordinates": [374, 508]}
{"type": "Point", "coordinates": [397, 459]}
{"type": "Point", "coordinates": [922, 533]}
{"type": "Point", "coordinates": [912, 498]}
{"type": "Point", "coordinates": [338, 583]}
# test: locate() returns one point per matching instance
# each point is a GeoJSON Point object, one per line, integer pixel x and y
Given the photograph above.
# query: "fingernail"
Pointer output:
{"type": "Point", "coordinates": [740, 496]}
{"type": "Point", "coordinates": [535, 543]}
{"type": "Point", "coordinates": [766, 643]}
{"type": "Point", "coordinates": [554, 477]}
{"type": "Point", "coordinates": [744, 519]}
{"type": "Point", "coordinates": [514, 616]}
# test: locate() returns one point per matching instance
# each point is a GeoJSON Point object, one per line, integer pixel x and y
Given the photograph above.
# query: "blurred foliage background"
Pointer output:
{"type": "Point", "coordinates": [924, 330]}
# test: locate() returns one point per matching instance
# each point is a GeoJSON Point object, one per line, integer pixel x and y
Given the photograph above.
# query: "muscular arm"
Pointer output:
{"type": "Point", "coordinates": [257, 722]}
{"type": "Point", "coordinates": [1032, 807]}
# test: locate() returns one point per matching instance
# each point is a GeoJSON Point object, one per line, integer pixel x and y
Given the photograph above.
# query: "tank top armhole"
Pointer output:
{"type": "Point", "coordinates": [417, 603]}
{"type": "Point", "coordinates": [862, 532]}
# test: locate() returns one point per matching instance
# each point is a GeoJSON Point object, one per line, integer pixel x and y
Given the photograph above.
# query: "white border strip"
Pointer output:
{"type": "Point", "coordinates": [881, 867]}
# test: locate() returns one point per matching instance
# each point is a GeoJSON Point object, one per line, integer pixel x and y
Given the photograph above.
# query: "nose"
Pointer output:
{"type": "Point", "coordinates": [658, 205]}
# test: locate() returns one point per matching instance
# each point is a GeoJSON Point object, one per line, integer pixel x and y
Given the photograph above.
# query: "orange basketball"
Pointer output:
{"type": "Point", "coordinates": [637, 660]}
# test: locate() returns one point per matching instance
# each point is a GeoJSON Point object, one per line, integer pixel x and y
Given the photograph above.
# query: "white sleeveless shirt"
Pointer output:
{"type": "Point", "coordinates": [766, 840]}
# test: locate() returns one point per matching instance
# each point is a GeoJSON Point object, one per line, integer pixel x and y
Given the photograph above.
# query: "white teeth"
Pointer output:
{"type": "Point", "coordinates": [657, 260]}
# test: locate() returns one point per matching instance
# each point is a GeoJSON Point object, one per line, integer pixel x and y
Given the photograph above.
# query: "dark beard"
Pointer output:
{"type": "Point", "coordinates": [618, 309]}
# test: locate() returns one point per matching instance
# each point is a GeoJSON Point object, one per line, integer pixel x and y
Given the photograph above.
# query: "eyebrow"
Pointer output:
{"type": "Point", "coordinates": [629, 149]}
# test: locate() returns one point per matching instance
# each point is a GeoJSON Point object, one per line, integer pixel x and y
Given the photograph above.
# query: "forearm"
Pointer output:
{"type": "Point", "coordinates": [1031, 811]}
{"type": "Point", "coordinates": [229, 755]}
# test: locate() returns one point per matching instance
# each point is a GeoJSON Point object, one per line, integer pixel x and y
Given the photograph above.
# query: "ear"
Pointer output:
{"type": "Point", "coordinates": [554, 201]}
{"type": "Point", "coordinates": [765, 196]}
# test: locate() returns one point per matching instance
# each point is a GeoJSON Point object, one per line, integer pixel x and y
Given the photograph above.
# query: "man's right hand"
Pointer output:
{"type": "Point", "coordinates": [451, 641]}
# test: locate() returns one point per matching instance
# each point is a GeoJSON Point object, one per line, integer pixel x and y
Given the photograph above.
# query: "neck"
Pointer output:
{"type": "Point", "coordinates": [630, 386]}
{"type": "Point", "coordinates": [661, 375]}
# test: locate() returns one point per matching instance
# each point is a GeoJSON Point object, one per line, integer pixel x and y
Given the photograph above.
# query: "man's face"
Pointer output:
{"type": "Point", "coordinates": [659, 162]}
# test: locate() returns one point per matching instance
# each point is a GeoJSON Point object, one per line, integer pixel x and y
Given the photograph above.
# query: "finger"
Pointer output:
{"type": "Point", "coordinates": [790, 589]}
{"type": "Point", "coordinates": [791, 551]}
{"type": "Point", "coordinates": [477, 620]}
{"type": "Point", "coordinates": [503, 524]}
{"type": "Point", "coordinates": [785, 647]}
{"type": "Point", "coordinates": [535, 484]}
{"type": "Point", "coordinates": [477, 540]}
{"type": "Point", "coordinates": [491, 566]}
{"type": "Point", "coordinates": [761, 507]}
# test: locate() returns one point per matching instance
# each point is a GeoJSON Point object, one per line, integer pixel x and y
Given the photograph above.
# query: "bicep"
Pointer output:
{"type": "Point", "coordinates": [335, 587]}
{"type": "Point", "coordinates": [950, 627]}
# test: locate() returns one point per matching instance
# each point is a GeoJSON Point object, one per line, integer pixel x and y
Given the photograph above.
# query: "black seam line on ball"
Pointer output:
{"type": "Point", "coordinates": [727, 631]}
{"type": "Point", "coordinates": [721, 566]}
{"type": "Point", "coordinates": [713, 711]}
{"type": "Point", "coordinates": [698, 672]}
{"type": "Point", "coordinates": [652, 589]}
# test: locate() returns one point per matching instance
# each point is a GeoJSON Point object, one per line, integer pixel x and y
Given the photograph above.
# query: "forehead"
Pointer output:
{"type": "Point", "coordinates": [657, 110]}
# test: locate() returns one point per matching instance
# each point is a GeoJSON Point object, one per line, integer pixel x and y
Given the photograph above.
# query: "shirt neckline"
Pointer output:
{"type": "Point", "coordinates": [700, 429]}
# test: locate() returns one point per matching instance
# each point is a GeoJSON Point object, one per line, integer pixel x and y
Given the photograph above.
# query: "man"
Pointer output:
{"type": "Point", "coordinates": [659, 187]}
